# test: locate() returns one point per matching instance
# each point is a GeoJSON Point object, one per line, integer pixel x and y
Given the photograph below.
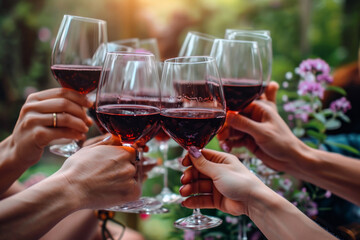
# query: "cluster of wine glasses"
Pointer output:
{"type": "Point", "coordinates": [138, 98]}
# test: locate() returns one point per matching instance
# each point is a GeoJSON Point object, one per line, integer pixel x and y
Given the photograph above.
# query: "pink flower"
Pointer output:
{"type": "Point", "coordinates": [324, 78]}
{"type": "Point", "coordinates": [341, 104]}
{"type": "Point", "coordinates": [312, 88]}
{"type": "Point", "coordinates": [327, 194]}
{"type": "Point", "coordinates": [144, 216]}
{"type": "Point", "coordinates": [44, 34]}
{"type": "Point", "coordinates": [311, 209]}
{"type": "Point", "coordinates": [315, 66]}
{"type": "Point", "coordinates": [189, 235]}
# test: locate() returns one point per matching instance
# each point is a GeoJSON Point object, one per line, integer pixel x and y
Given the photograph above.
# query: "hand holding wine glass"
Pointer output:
{"type": "Point", "coordinates": [128, 105]}
{"type": "Point", "coordinates": [73, 64]}
{"type": "Point", "coordinates": [192, 112]}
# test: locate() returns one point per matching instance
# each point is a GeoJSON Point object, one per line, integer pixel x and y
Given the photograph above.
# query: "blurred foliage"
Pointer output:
{"type": "Point", "coordinates": [300, 29]}
{"type": "Point", "coordinates": [328, 29]}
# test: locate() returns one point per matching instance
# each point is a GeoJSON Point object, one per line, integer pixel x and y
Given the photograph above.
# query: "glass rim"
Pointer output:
{"type": "Point", "coordinates": [206, 59]}
{"type": "Point", "coordinates": [258, 31]}
{"type": "Point", "coordinates": [123, 53]}
{"type": "Point", "coordinates": [250, 34]}
{"type": "Point", "coordinates": [255, 43]}
{"type": "Point", "coordinates": [85, 19]}
{"type": "Point", "coordinates": [202, 35]}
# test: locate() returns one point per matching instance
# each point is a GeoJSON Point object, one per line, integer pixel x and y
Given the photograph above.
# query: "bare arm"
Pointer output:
{"type": "Point", "coordinates": [97, 176]}
{"type": "Point", "coordinates": [266, 134]}
{"type": "Point", "coordinates": [237, 191]}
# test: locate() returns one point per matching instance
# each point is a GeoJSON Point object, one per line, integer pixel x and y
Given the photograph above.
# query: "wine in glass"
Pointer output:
{"type": "Point", "coordinates": [192, 112]}
{"type": "Point", "coordinates": [240, 69]}
{"type": "Point", "coordinates": [74, 63]}
{"type": "Point", "coordinates": [265, 49]}
{"type": "Point", "coordinates": [128, 106]}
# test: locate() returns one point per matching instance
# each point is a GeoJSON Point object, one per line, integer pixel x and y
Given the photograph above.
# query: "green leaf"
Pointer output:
{"type": "Point", "coordinates": [311, 144]}
{"type": "Point", "coordinates": [317, 135]}
{"type": "Point", "coordinates": [344, 146]}
{"type": "Point", "coordinates": [332, 124]}
{"type": "Point", "coordinates": [344, 117]}
{"type": "Point", "coordinates": [298, 131]}
{"type": "Point", "coordinates": [327, 112]}
{"type": "Point", "coordinates": [336, 89]}
{"type": "Point", "coordinates": [315, 125]}
{"type": "Point", "coordinates": [320, 117]}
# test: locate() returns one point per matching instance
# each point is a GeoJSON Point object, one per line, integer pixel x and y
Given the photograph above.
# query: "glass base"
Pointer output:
{"type": "Point", "coordinates": [197, 222]}
{"type": "Point", "coordinates": [64, 150]}
{"type": "Point", "coordinates": [127, 206]}
{"type": "Point", "coordinates": [161, 210]}
{"type": "Point", "coordinates": [167, 196]}
{"type": "Point", "coordinates": [143, 205]}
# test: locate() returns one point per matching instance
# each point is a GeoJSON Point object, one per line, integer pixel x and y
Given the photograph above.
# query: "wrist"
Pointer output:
{"type": "Point", "coordinates": [262, 199]}
{"type": "Point", "coordinates": [303, 160]}
{"type": "Point", "coordinates": [73, 191]}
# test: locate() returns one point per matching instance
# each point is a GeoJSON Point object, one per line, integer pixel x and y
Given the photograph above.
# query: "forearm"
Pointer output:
{"type": "Point", "coordinates": [331, 171]}
{"type": "Point", "coordinates": [82, 224]}
{"type": "Point", "coordinates": [34, 211]}
{"type": "Point", "coordinates": [278, 219]}
{"type": "Point", "coordinates": [10, 169]}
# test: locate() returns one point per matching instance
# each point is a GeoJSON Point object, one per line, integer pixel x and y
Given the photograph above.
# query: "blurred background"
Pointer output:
{"type": "Point", "coordinates": [328, 29]}
{"type": "Point", "coordinates": [300, 29]}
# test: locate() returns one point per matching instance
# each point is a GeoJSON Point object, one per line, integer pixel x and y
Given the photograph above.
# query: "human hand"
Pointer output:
{"type": "Point", "coordinates": [230, 137]}
{"type": "Point", "coordinates": [266, 135]}
{"type": "Point", "coordinates": [34, 128]}
{"type": "Point", "coordinates": [102, 175]}
{"type": "Point", "coordinates": [225, 183]}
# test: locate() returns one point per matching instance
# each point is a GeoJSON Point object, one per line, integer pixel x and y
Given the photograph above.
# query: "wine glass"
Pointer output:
{"type": "Point", "coordinates": [196, 44]}
{"type": "Point", "coordinates": [129, 42]}
{"type": "Point", "coordinates": [192, 112]}
{"type": "Point", "coordinates": [265, 48]}
{"type": "Point", "coordinates": [241, 71]}
{"type": "Point", "coordinates": [150, 44]}
{"type": "Point", "coordinates": [74, 63]}
{"type": "Point", "coordinates": [128, 106]}
{"type": "Point", "coordinates": [229, 31]}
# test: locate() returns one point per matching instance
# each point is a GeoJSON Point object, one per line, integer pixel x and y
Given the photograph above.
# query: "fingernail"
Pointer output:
{"type": "Point", "coordinates": [182, 204]}
{"type": "Point", "coordinates": [181, 178]}
{"type": "Point", "coordinates": [181, 188]}
{"type": "Point", "coordinates": [194, 152]}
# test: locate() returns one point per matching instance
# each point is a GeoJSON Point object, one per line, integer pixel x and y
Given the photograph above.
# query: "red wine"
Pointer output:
{"type": "Point", "coordinates": [83, 79]}
{"type": "Point", "coordinates": [239, 93]}
{"type": "Point", "coordinates": [130, 122]}
{"type": "Point", "coordinates": [192, 126]}
{"type": "Point", "coordinates": [161, 136]}
{"type": "Point", "coordinates": [147, 137]}
{"type": "Point", "coordinates": [263, 88]}
{"type": "Point", "coordinates": [204, 90]}
{"type": "Point", "coordinates": [92, 113]}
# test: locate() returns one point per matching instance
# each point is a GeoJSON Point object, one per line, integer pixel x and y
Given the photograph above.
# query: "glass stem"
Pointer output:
{"type": "Point", "coordinates": [164, 147]}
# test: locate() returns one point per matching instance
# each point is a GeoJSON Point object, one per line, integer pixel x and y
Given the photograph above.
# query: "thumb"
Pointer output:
{"type": "Point", "coordinates": [109, 140]}
{"type": "Point", "coordinates": [271, 91]}
{"type": "Point", "coordinates": [203, 165]}
{"type": "Point", "coordinates": [242, 123]}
